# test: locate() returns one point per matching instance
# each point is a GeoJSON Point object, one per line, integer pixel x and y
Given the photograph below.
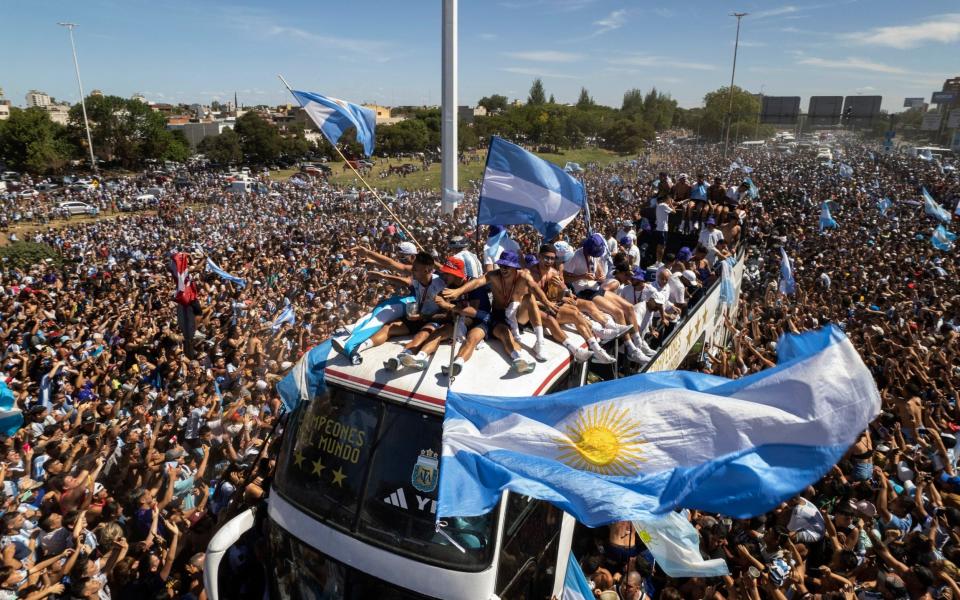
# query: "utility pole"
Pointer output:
{"type": "Point", "coordinates": [448, 108]}
{"type": "Point", "coordinates": [733, 72]}
{"type": "Point", "coordinates": [756, 132]}
{"type": "Point", "coordinates": [83, 104]}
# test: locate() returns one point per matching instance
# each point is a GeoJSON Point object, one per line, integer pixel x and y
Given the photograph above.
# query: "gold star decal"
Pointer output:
{"type": "Point", "coordinates": [298, 459]}
{"type": "Point", "coordinates": [318, 467]}
{"type": "Point", "coordinates": [338, 477]}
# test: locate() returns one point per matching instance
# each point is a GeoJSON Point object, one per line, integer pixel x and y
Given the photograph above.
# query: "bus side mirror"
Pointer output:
{"type": "Point", "coordinates": [219, 544]}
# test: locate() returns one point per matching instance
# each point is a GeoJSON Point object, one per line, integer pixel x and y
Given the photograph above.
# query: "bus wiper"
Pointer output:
{"type": "Point", "coordinates": [440, 525]}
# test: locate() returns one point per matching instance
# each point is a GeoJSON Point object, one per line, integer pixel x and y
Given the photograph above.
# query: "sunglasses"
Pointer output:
{"type": "Point", "coordinates": [548, 258]}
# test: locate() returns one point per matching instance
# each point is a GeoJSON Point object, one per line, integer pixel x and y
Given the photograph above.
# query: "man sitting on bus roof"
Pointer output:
{"type": "Point", "coordinates": [417, 352]}
{"type": "Point", "coordinates": [510, 285]}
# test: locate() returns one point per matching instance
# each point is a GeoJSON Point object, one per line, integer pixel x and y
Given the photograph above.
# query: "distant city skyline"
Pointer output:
{"type": "Point", "coordinates": [389, 53]}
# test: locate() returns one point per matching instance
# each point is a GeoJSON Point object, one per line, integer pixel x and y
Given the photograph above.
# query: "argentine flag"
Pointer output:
{"type": "Point", "coordinates": [933, 209]}
{"type": "Point", "coordinates": [215, 269]}
{"type": "Point", "coordinates": [633, 448]}
{"type": "Point", "coordinates": [521, 188]}
{"type": "Point", "coordinates": [387, 311]}
{"type": "Point", "coordinates": [846, 171]}
{"type": "Point", "coordinates": [286, 315]}
{"type": "Point", "coordinates": [788, 284]}
{"type": "Point", "coordinates": [942, 238]}
{"type": "Point", "coordinates": [575, 585]}
{"type": "Point", "coordinates": [11, 419]}
{"type": "Point", "coordinates": [884, 205]}
{"type": "Point", "coordinates": [306, 380]}
{"type": "Point", "coordinates": [334, 116]}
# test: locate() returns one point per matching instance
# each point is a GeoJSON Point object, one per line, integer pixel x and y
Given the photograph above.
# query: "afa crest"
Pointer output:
{"type": "Point", "coordinates": [426, 472]}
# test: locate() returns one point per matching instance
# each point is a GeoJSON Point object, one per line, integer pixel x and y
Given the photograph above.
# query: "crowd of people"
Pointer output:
{"type": "Point", "coordinates": [137, 441]}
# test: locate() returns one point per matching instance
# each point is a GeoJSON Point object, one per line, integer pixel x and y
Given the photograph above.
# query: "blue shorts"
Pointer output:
{"type": "Point", "coordinates": [660, 237]}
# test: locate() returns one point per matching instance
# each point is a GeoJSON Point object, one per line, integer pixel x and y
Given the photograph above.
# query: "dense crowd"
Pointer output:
{"type": "Point", "coordinates": [137, 444]}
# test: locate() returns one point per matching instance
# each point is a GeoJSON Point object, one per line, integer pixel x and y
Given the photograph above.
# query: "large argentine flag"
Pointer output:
{"type": "Point", "coordinates": [640, 446]}
{"type": "Point", "coordinates": [306, 380]}
{"type": "Point", "coordinates": [521, 188]}
{"type": "Point", "coordinates": [575, 585]}
{"type": "Point", "coordinates": [334, 116]}
{"type": "Point", "coordinates": [932, 208]}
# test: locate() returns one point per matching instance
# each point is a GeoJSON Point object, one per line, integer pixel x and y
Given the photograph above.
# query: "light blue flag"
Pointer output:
{"type": "Point", "coordinates": [788, 285]}
{"type": "Point", "coordinates": [728, 292]}
{"type": "Point", "coordinates": [829, 164]}
{"type": "Point", "coordinates": [572, 167]}
{"type": "Point", "coordinates": [933, 209]}
{"type": "Point", "coordinates": [575, 585]}
{"type": "Point", "coordinates": [522, 188]}
{"type": "Point", "coordinates": [11, 419]}
{"type": "Point", "coordinates": [754, 192]}
{"type": "Point", "coordinates": [826, 219]}
{"type": "Point", "coordinates": [675, 544]}
{"type": "Point", "coordinates": [286, 316]}
{"type": "Point", "coordinates": [884, 205]}
{"type": "Point", "coordinates": [846, 171]}
{"type": "Point", "coordinates": [942, 238]}
{"type": "Point", "coordinates": [747, 169]}
{"type": "Point", "coordinates": [926, 155]}
{"type": "Point", "coordinates": [305, 380]}
{"type": "Point", "coordinates": [391, 309]}
{"type": "Point", "coordinates": [334, 116]}
{"type": "Point", "coordinates": [212, 267]}
{"type": "Point", "coordinates": [636, 447]}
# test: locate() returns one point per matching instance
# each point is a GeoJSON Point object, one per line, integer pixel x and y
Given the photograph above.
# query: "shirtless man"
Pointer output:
{"type": "Point", "coordinates": [510, 286]}
{"type": "Point", "coordinates": [546, 275]}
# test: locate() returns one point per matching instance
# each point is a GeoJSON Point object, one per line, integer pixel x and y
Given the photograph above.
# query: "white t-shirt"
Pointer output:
{"type": "Point", "coordinates": [580, 264]}
{"type": "Point", "coordinates": [708, 239]}
{"type": "Point", "coordinates": [633, 254]}
{"type": "Point", "coordinates": [663, 214]}
{"type": "Point", "coordinates": [677, 292]}
{"type": "Point", "coordinates": [506, 244]}
{"type": "Point", "coordinates": [629, 293]}
{"type": "Point", "coordinates": [425, 296]}
{"type": "Point", "coordinates": [628, 232]}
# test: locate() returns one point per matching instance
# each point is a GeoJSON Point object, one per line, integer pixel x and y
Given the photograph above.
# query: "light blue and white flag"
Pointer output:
{"type": "Point", "coordinates": [11, 419]}
{"type": "Point", "coordinates": [788, 285]}
{"type": "Point", "coordinates": [826, 219]}
{"type": "Point", "coordinates": [306, 379]}
{"type": "Point", "coordinates": [752, 189]}
{"type": "Point", "coordinates": [884, 205]}
{"type": "Point", "coordinates": [391, 309]}
{"type": "Point", "coordinates": [942, 238]}
{"type": "Point", "coordinates": [728, 293]}
{"type": "Point", "coordinates": [933, 209]}
{"type": "Point", "coordinates": [829, 164]}
{"type": "Point", "coordinates": [846, 171]}
{"type": "Point", "coordinates": [636, 447]}
{"type": "Point", "coordinates": [926, 155]}
{"type": "Point", "coordinates": [575, 584]}
{"type": "Point", "coordinates": [286, 316]}
{"type": "Point", "coordinates": [572, 167]}
{"type": "Point", "coordinates": [212, 267]}
{"type": "Point", "coordinates": [675, 544]}
{"type": "Point", "coordinates": [747, 169]}
{"type": "Point", "coordinates": [450, 200]}
{"type": "Point", "coordinates": [734, 166]}
{"type": "Point", "coordinates": [521, 188]}
{"type": "Point", "coordinates": [334, 116]}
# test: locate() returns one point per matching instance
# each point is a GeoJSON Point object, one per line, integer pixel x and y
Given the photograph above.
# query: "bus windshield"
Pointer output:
{"type": "Point", "coordinates": [370, 468]}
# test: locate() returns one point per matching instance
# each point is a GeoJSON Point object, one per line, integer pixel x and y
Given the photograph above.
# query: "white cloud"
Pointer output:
{"type": "Point", "coordinates": [774, 12]}
{"type": "Point", "coordinates": [658, 61]}
{"type": "Point", "coordinates": [942, 29]}
{"type": "Point", "coordinates": [561, 5]}
{"type": "Point", "coordinates": [537, 73]}
{"type": "Point", "coordinates": [488, 36]}
{"type": "Point", "coordinates": [614, 20]}
{"type": "Point", "coordinates": [545, 56]}
{"type": "Point", "coordinates": [852, 64]}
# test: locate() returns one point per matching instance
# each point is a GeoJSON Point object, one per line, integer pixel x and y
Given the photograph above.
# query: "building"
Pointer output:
{"type": "Point", "coordinates": [4, 109]}
{"type": "Point", "coordinates": [59, 113]}
{"type": "Point", "coordinates": [195, 132]}
{"type": "Point", "coordinates": [952, 85]}
{"type": "Point", "coordinates": [139, 96]}
{"type": "Point", "coordinates": [384, 114]}
{"type": "Point", "coordinates": [38, 98]}
{"type": "Point", "coordinates": [466, 114]}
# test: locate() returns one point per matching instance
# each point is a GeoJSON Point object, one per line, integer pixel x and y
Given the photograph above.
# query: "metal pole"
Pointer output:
{"type": "Point", "coordinates": [448, 109]}
{"type": "Point", "coordinates": [83, 104]}
{"type": "Point", "coordinates": [756, 133]}
{"type": "Point", "coordinates": [733, 72]}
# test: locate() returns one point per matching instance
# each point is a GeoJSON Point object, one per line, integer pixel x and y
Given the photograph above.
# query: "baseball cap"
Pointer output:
{"type": "Point", "coordinates": [407, 248]}
{"type": "Point", "coordinates": [454, 266]}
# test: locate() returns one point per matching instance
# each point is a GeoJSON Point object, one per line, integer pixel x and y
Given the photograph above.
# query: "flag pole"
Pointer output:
{"type": "Point", "coordinates": [357, 173]}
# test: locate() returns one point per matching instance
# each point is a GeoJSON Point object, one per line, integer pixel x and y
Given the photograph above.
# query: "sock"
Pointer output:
{"type": "Point", "coordinates": [629, 345]}
{"type": "Point", "coordinates": [538, 329]}
{"type": "Point", "coordinates": [514, 355]}
{"type": "Point", "coordinates": [569, 345]}
{"type": "Point", "coordinates": [597, 328]}
{"type": "Point", "coordinates": [458, 361]}
{"type": "Point", "coordinates": [593, 344]}
{"type": "Point", "coordinates": [365, 346]}
{"type": "Point", "coordinates": [421, 356]}
{"type": "Point", "coordinates": [611, 323]}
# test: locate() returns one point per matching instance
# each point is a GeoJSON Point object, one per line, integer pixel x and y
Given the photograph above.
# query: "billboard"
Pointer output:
{"type": "Point", "coordinates": [931, 121]}
{"type": "Point", "coordinates": [825, 110]}
{"type": "Point", "coordinates": [780, 110]}
{"type": "Point", "coordinates": [942, 97]}
{"type": "Point", "coordinates": [861, 108]}
{"type": "Point", "coordinates": [914, 102]}
{"type": "Point", "coordinates": [953, 121]}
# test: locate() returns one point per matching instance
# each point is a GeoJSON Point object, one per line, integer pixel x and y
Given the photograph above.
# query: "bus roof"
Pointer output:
{"type": "Point", "coordinates": [486, 373]}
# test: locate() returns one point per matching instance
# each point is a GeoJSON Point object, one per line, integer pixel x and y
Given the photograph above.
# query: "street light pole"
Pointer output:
{"type": "Point", "coordinates": [733, 72]}
{"type": "Point", "coordinates": [83, 105]}
{"type": "Point", "coordinates": [756, 133]}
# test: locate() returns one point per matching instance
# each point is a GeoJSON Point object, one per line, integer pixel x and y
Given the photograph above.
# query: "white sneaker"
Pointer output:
{"type": "Point", "coordinates": [392, 364]}
{"type": "Point", "coordinates": [622, 329]}
{"type": "Point", "coordinates": [608, 334]}
{"type": "Point", "coordinates": [523, 366]}
{"type": "Point", "coordinates": [420, 362]}
{"type": "Point", "coordinates": [601, 356]}
{"type": "Point", "coordinates": [537, 352]}
{"type": "Point", "coordinates": [637, 357]}
{"type": "Point", "coordinates": [408, 359]}
{"type": "Point", "coordinates": [582, 355]}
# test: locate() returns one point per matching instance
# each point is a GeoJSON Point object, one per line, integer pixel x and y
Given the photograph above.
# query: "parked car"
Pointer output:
{"type": "Point", "coordinates": [75, 207]}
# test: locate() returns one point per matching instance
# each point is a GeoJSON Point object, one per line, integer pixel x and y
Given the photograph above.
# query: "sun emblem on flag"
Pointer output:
{"type": "Point", "coordinates": [603, 439]}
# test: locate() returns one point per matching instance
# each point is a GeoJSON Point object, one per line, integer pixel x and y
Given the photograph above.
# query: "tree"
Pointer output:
{"type": "Point", "coordinates": [715, 111]}
{"type": "Point", "coordinates": [537, 94]}
{"type": "Point", "coordinates": [552, 100]}
{"type": "Point", "coordinates": [223, 149]}
{"type": "Point", "coordinates": [30, 141]}
{"type": "Point", "coordinates": [585, 101]}
{"type": "Point", "coordinates": [494, 103]}
{"type": "Point", "coordinates": [260, 141]}
{"type": "Point", "coordinates": [632, 101]}
{"type": "Point", "coordinates": [410, 135]}
{"type": "Point", "coordinates": [627, 135]}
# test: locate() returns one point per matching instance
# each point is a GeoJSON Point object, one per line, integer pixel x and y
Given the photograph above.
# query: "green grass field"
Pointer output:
{"type": "Point", "coordinates": [430, 179]}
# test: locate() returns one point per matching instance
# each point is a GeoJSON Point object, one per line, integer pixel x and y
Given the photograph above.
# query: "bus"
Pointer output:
{"type": "Point", "coordinates": [350, 512]}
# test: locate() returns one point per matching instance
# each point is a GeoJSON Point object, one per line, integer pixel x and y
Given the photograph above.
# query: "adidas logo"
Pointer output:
{"type": "Point", "coordinates": [397, 499]}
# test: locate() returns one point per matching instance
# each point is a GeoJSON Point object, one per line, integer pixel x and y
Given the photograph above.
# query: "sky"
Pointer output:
{"type": "Point", "coordinates": [388, 52]}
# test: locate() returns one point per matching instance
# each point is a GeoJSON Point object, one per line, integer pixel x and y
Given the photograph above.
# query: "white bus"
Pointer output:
{"type": "Point", "coordinates": [351, 510]}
